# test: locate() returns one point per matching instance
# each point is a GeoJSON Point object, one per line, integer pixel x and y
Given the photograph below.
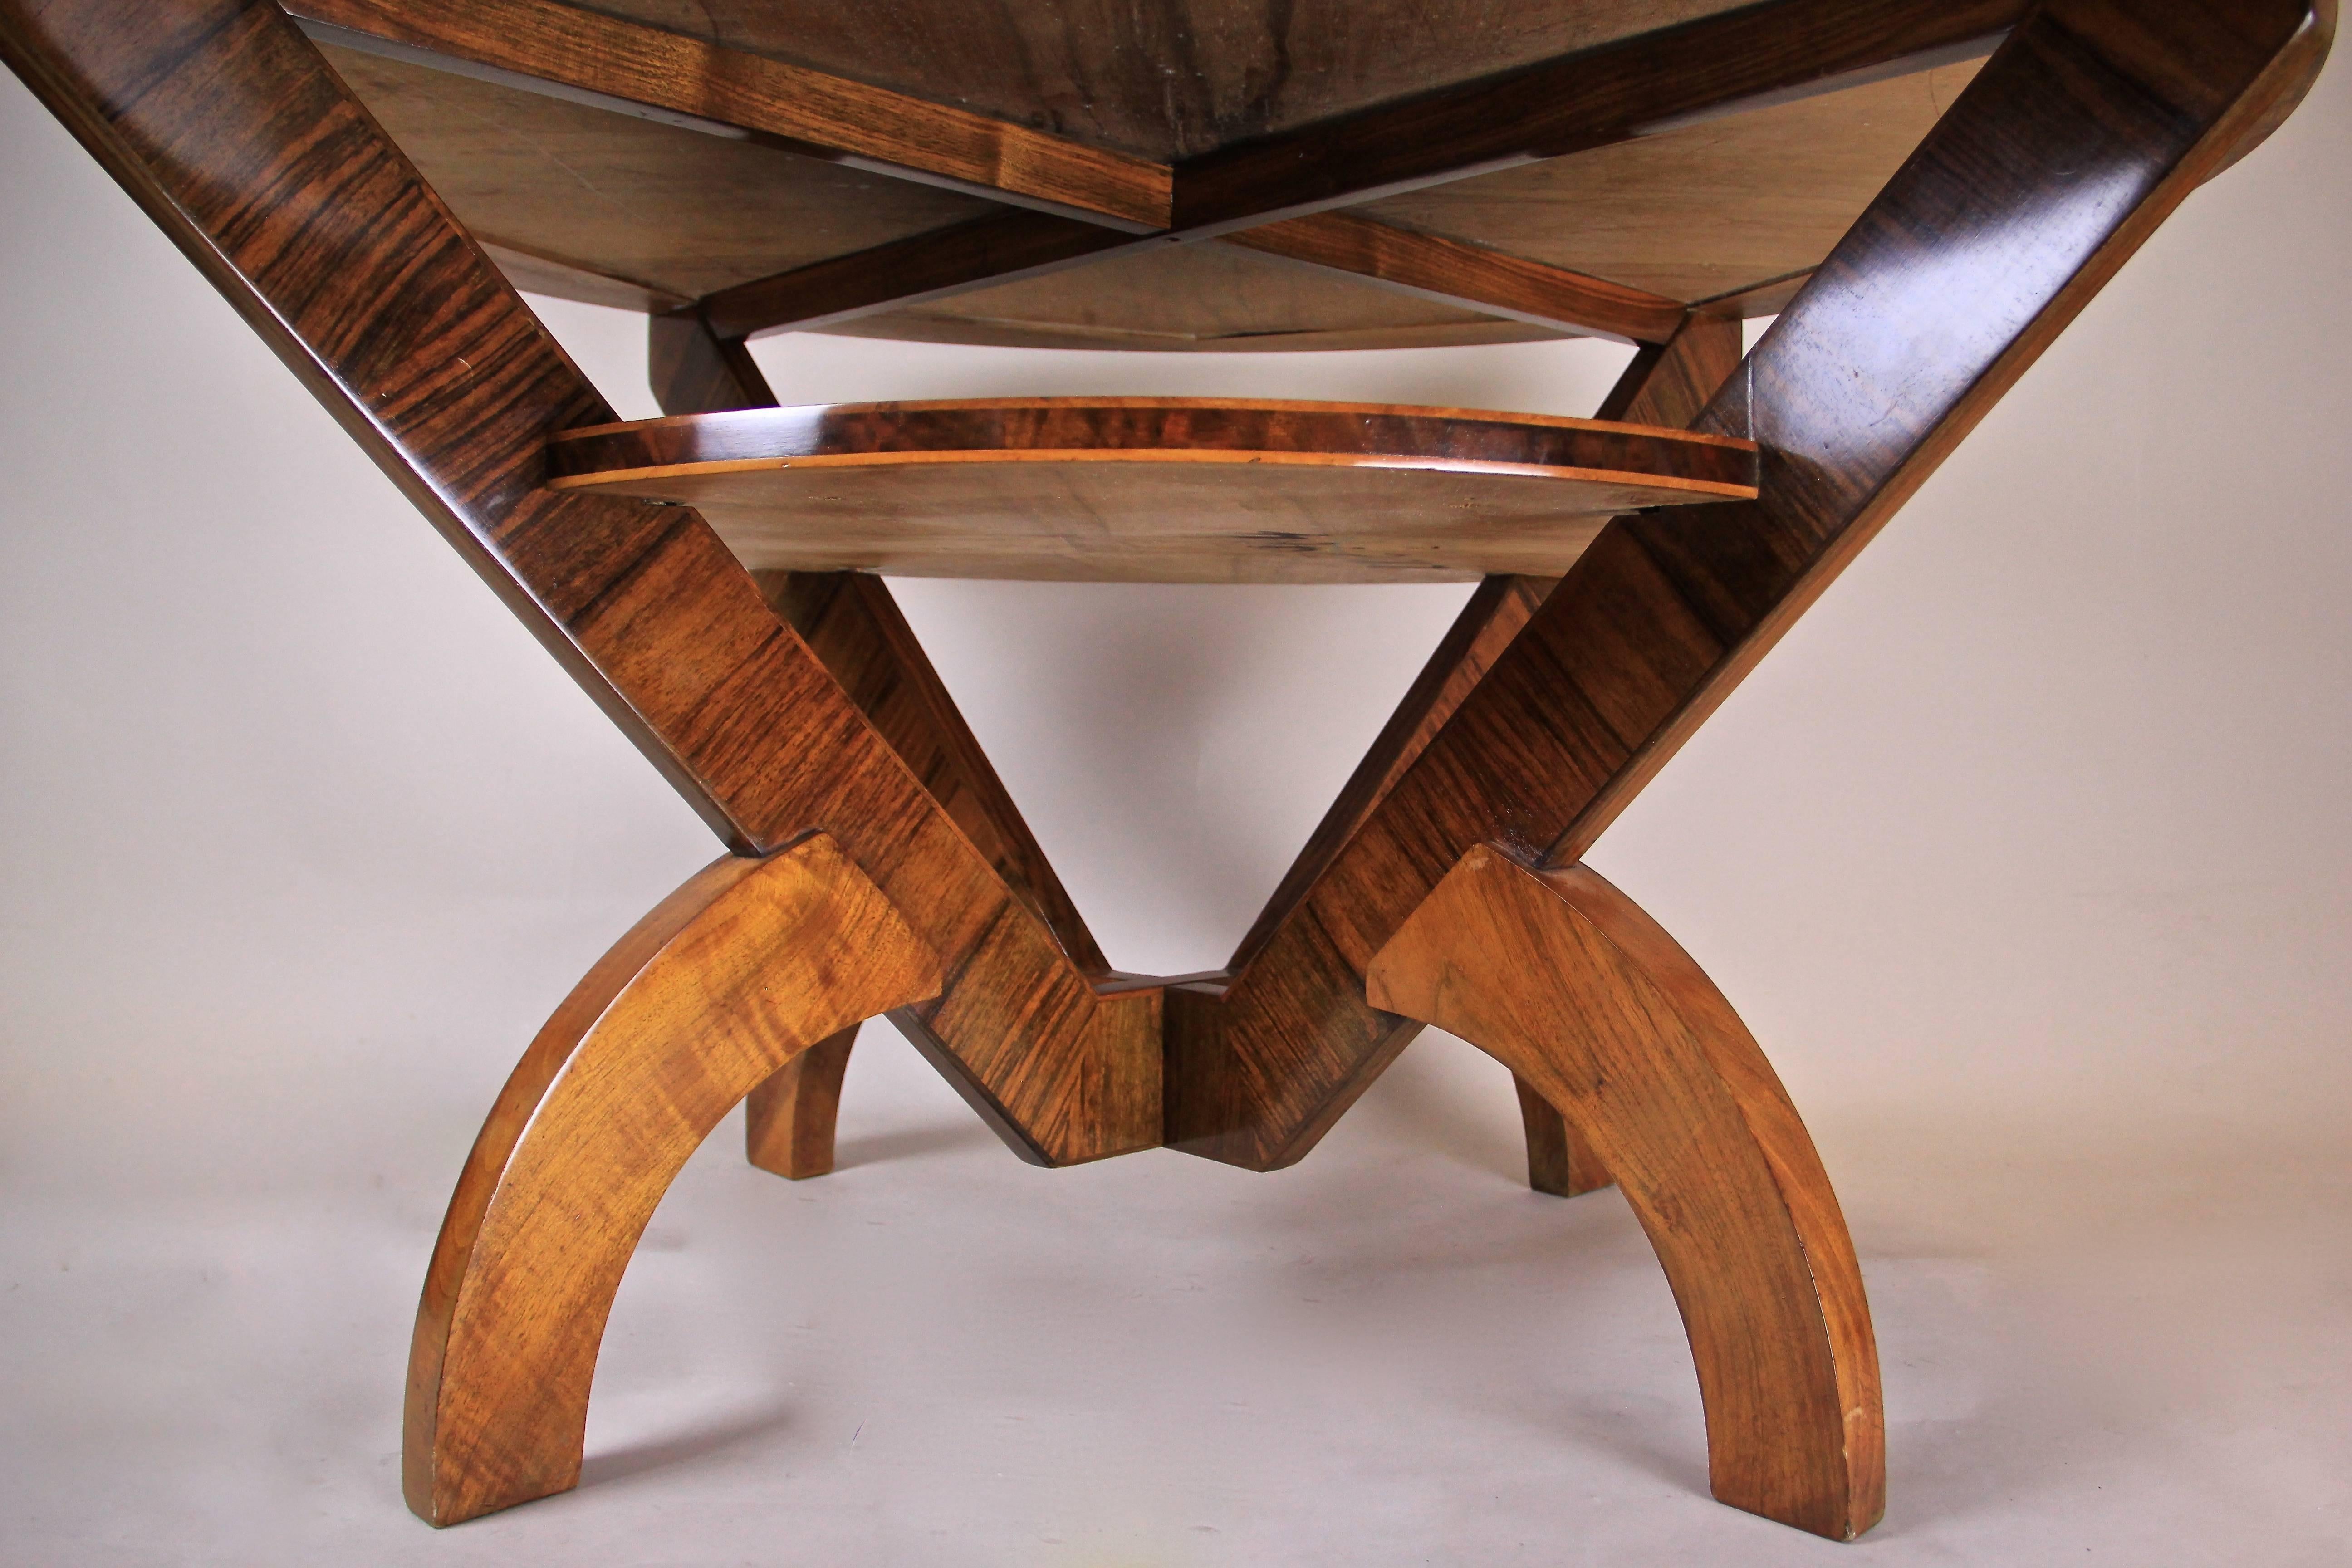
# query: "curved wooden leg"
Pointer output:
{"type": "Point", "coordinates": [748, 964]}
{"type": "Point", "coordinates": [1559, 1162]}
{"type": "Point", "coordinates": [788, 1120]}
{"type": "Point", "coordinates": [1576, 990]}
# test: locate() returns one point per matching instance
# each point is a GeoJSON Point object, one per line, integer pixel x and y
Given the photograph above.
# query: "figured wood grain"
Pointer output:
{"type": "Point", "coordinates": [789, 1119]}
{"type": "Point", "coordinates": [1670, 383]}
{"type": "Point", "coordinates": [1704, 210]}
{"type": "Point", "coordinates": [1559, 1163]}
{"type": "Point", "coordinates": [635, 201]}
{"type": "Point", "coordinates": [1175, 76]}
{"type": "Point", "coordinates": [2073, 142]}
{"type": "Point", "coordinates": [1187, 298]}
{"type": "Point", "coordinates": [1566, 981]}
{"type": "Point", "coordinates": [850, 621]}
{"type": "Point", "coordinates": [1150, 489]}
{"type": "Point", "coordinates": [511, 186]}
{"type": "Point", "coordinates": [1666, 384]}
{"type": "Point", "coordinates": [983, 430]}
{"type": "Point", "coordinates": [1590, 100]}
{"type": "Point", "coordinates": [1495, 613]}
{"type": "Point", "coordinates": [228, 127]}
{"type": "Point", "coordinates": [998, 247]}
{"type": "Point", "coordinates": [747, 965]}
{"type": "Point", "coordinates": [534, 43]}
{"type": "Point", "coordinates": [1450, 272]}
{"type": "Point", "coordinates": [1713, 66]}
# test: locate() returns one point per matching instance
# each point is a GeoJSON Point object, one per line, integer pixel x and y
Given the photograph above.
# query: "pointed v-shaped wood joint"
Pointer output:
{"type": "Point", "coordinates": [2077, 139]}
{"type": "Point", "coordinates": [233, 132]}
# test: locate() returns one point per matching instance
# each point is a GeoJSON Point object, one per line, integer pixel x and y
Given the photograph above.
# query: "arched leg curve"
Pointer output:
{"type": "Point", "coordinates": [788, 1120]}
{"type": "Point", "coordinates": [747, 965]}
{"type": "Point", "coordinates": [1573, 987]}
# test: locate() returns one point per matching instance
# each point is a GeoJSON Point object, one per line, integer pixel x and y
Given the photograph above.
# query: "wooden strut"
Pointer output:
{"type": "Point", "coordinates": [874, 870]}
{"type": "Point", "coordinates": [1560, 976]}
{"type": "Point", "coordinates": [747, 969]}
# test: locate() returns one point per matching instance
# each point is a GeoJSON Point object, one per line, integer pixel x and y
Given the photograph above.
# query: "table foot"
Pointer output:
{"type": "Point", "coordinates": [750, 965]}
{"type": "Point", "coordinates": [1595, 1008]}
{"type": "Point", "coordinates": [1559, 1162]}
{"type": "Point", "coordinates": [788, 1120]}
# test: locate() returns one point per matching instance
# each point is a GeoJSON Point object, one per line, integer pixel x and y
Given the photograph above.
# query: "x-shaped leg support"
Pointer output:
{"type": "Point", "coordinates": [1444, 888]}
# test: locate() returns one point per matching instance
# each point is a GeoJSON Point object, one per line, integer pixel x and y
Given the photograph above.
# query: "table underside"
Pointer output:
{"type": "Point", "coordinates": [586, 203]}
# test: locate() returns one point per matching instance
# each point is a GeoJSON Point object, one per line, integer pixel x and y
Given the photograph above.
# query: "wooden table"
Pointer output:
{"type": "Point", "coordinates": [1924, 191]}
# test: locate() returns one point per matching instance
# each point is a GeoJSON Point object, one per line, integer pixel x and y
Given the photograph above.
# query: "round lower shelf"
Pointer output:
{"type": "Point", "coordinates": [1154, 489]}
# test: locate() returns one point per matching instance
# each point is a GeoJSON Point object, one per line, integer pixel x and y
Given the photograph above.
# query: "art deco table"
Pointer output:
{"type": "Point", "coordinates": [1924, 191]}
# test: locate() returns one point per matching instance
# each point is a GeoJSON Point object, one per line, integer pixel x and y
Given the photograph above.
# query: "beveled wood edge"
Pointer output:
{"type": "Point", "coordinates": [1633, 87]}
{"type": "Point", "coordinates": [686, 81]}
{"type": "Point", "coordinates": [938, 264]}
{"type": "Point", "coordinates": [1259, 1067]}
{"type": "Point", "coordinates": [1766, 297]}
{"type": "Point", "coordinates": [226, 126]}
{"type": "Point", "coordinates": [745, 966]}
{"type": "Point", "coordinates": [1698, 490]}
{"type": "Point", "coordinates": [1607, 87]}
{"type": "Point", "coordinates": [1586, 999]}
{"type": "Point", "coordinates": [942, 263]}
{"type": "Point", "coordinates": [1266, 405]}
{"type": "Point", "coordinates": [2240, 124]}
{"type": "Point", "coordinates": [1010, 332]}
{"type": "Point", "coordinates": [853, 624]}
{"type": "Point", "coordinates": [533, 271]}
{"type": "Point", "coordinates": [1470, 276]}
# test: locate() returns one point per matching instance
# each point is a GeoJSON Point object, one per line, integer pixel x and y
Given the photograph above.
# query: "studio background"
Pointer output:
{"type": "Point", "coordinates": [2025, 856]}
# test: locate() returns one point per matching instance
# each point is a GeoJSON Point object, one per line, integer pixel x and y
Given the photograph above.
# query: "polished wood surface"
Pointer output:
{"type": "Point", "coordinates": [1667, 383]}
{"type": "Point", "coordinates": [1559, 1163]}
{"type": "Point", "coordinates": [996, 249]}
{"type": "Point", "coordinates": [789, 1119]}
{"type": "Point", "coordinates": [1670, 383]}
{"type": "Point", "coordinates": [693, 370]}
{"type": "Point", "coordinates": [1495, 612]}
{"type": "Point", "coordinates": [1453, 273]}
{"type": "Point", "coordinates": [850, 622]}
{"type": "Point", "coordinates": [2070, 146]}
{"type": "Point", "coordinates": [1586, 999]}
{"type": "Point", "coordinates": [747, 965]}
{"type": "Point", "coordinates": [1169, 79]}
{"type": "Point", "coordinates": [1637, 162]}
{"type": "Point", "coordinates": [1591, 99]}
{"type": "Point", "coordinates": [1706, 210]}
{"type": "Point", "coordinates": [672, 212]}
{"type": "Point", "coordinates": [295, 203]}
{"type": "Point", "coordinates": [878, 864]}
{"type": "Point", "coordinates": [1194, 489]}
{"type": "Point", "coordinates": [1187, 298]}
{"type": "Point", "coordinates": [798, 225]}
{"type": "Point", "coordinates": [570, 49]}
